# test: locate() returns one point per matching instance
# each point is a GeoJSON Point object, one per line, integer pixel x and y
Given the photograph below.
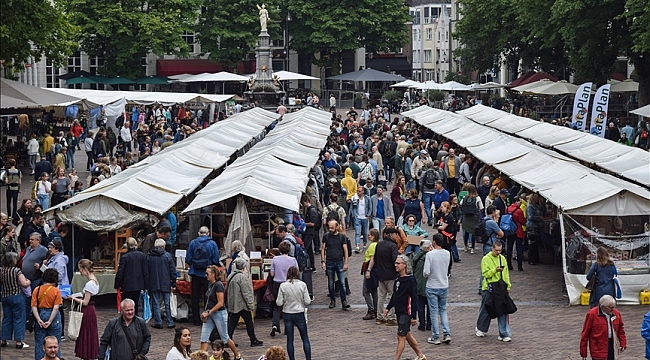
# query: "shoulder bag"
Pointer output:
{"type": "Point", "coordinates": [127, 335]}
{"type": "Point", "coordinates": [592, 282]}
{"type": "Point", "coordinates": [76, 316]}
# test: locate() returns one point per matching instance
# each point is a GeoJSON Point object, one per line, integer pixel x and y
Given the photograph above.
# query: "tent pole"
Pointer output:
{"type": "Point", "coordinates": [564, 268]}
{"type": "Point", "coordinates": [73, 266]}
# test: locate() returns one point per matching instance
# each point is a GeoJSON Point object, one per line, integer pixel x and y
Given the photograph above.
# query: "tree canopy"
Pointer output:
{"type": "Point", "coordinates": [123, 32]}
{"type": "Point", "coordinates": [33, 28]}
{"type": "Point", "coordinates": [588, 35]}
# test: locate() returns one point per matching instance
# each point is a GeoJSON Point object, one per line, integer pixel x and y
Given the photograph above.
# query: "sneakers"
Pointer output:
{"type": "Point", "coordinates": [357, 250]}
{"type": "Point", "coordinates": [25, 346]}
{"type": "Point", "coordinates": [472, 252]}
{"type": "Point", "coordinates": [434, 341]}
{"type": "Point", "coordinates": [479, 333]}
{"type": "Point", "coordinates": [447, 339]}
{"type": "Point", "coordinates": [379, 321]}
{"type": "Point", "coordinates": [391, 322]}
{"type": "Point", "coordinates": [504, 339]}
{"type": "Point", "coordinates": [344, 305]}
{"type": "Point", "coordinates": [421, 357]}
{"type": "Point", "coordinates": [274, 329]}
{"type": "Point", "coordinates": [257, 343]}
{"type": "Point", "coordinates": [332, 304]}
{"type": "Point", "coordinates": [465, 249]}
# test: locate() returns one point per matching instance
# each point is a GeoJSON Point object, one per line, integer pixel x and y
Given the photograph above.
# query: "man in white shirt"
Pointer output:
{"type": "Point", "coordinates": [360, 209]}
{"type": "Point", "coordinates": [32, 152]}
{"type": "Point", "coordinates": [237, 108]}
{"type": "Point", "coordinates": [436, 266]}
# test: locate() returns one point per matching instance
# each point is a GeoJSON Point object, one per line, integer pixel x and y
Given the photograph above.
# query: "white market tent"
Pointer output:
{"type": "Point", "coordinates": [406, 84]}
{"type": "Point", "coordinates": [219, 77]}
{"type": "Point", "coordinates": [160, 181]}
{"type": "Point", "coordinates": [551, 88]}
{"type": "Point", "coordinates": [642, 111]}
{"type": "Point", "coordinates": [288, 75]}
{"type": "Point", "coordinates": [142, 97]}
{"type": "Point", "coordinates": [454, 86]}
{"type": "Point", "coordinates": [575, 189]}
{"type": "Point", "coordinates": [629, 162]}
{"type": "Point", "coordinates": [276, 170]}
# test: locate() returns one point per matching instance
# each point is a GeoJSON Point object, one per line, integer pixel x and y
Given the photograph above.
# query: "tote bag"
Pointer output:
{"type": "Point", "coordinates": [76, 316]}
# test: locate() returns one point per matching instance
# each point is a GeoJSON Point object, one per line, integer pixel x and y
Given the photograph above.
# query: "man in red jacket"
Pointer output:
{"type": "Point", "coordinates": [603, 330]}
{"type": "Point", "coordinates": [518, 237]}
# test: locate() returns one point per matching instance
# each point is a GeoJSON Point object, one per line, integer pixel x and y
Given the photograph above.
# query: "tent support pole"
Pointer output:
{"type": "Point", "coordinates": [564, 268]}
{"type": "Point", "coordinates": [73, 266]}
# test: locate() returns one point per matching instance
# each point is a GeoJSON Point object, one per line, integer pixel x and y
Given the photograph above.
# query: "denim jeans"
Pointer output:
{"type": "Point", "coordinates": [219, 320]}
{"type": "Point", "coordinates": [379, 224]}
{"type": "Point", "coordinates": [335, 269]}
{"type": "Point", "coordinates": [55, 329]}
{"type": "Point", "coordinates": [32, 159]}
{"type": "Point", "coordinates": [468, 239]}
{"type": "Point", "coordinates": [438, 306]}
{"type": "Point", "coordinates": [427, 198]}
{"type": "Point", "coordinates": [369, 296]}
{"type": "Point", "coordinates": [297, 319]}
{"type": "Point", "coordinates": [483, 322]}
{"type": "Point", "coordinates": [360, 227]}
{"type": "Point", "coordinates": [454, 252]}
{"type": "Point", "coordinates": [13, 321]}
{"type": "Point", "coordinates": [44, 200]}
{"type": "Point", "coordinates": [155, 297]}
{"type": "Point", "coordinates": [12, 199]}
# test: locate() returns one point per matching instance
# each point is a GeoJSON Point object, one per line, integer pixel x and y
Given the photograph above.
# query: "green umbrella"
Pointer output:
{"type": "Point", "coordinates": [84, 80]}
{"type": "Point", "coordinates": [153, 80]}
{"type": "Point", "coordinates": [118, 81]}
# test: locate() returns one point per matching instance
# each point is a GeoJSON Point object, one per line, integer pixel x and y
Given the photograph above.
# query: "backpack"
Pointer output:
{"type": "Point", "coordinates": [200, 258]}
{"type": "Point", "coordinates": [333, 214]}
{"type": "Point", "coordinates": [300, 254]}
{"type": "Point", "coordinates": [119, 122]}
{"type": "Point", "coordinates": [390, 149]}
{"type": "Point", "coordinates": [644, 134]}
{"type": "Point", "coordinates": [508, 224]}
{"type": "Point", "coordinates": [299, 223]}
{"type": "Point", "coordinates": [430, 178]}
{"type": "Point", "coordinates": [468, 206]}
{"type": "Point", "coordinates": [479, 229]}
{"type": "Point", "coordinates": [12, 178]}
{"type": "Point", "coordinates": [319, 216]}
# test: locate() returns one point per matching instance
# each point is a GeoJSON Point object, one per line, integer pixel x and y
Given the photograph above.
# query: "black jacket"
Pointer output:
{"type": "Point", "coordinates": [160, 272]}
{"type": "Point", "coordinates": [404, 288]}
{"type": "Point", "coordinates": [113, 336]}
{"type": "Point", "coordinates": [130, 272]}
{"type": "Point", "coordinates": [385, 255]}
{"type": "Point", "coordinates": [32, 228]}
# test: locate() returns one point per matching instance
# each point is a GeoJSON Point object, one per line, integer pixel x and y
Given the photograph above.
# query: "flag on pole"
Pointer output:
{"type": "Point", "coordinates": [581, 106]}
{"type": "Point", "coordinates": [599, 111]}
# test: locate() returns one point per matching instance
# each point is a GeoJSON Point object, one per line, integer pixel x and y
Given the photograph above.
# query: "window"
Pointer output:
{"type": "Point", "coordinates": [415, 34]}
{"type": "Point", "coordinates": [438, 36]}
{"type": "Point", "coordinates": [446, 35]}
{"type": "Point", "coordinates": [51, 75]}
{"type": "Point", "coordinates": [426, 12]}
{"type": "Point", "coordinates": [419, 35]}
{"type": "Point", "coordinates": [189, 39]}
{"type": "Point", "coordinates": [74, 64]}
{"type": "Point", "coordinates": [427, 56]}
{"type": "Point", "coordinates": [96, 62]}
{"type": "Point", "coordinates": [416, 58]}
{"type": "Point", "coordinates": [429, 33]}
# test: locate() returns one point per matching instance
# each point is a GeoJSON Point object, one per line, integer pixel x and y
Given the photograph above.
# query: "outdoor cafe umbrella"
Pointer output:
{"type": "Point", "coordinates": [453, 86]}
{"type": "Point", "coordinates": [427, 85]}
{"type": "Point", "coordinates": [555, 88]}
{"type": "Point", "coordinates": [532, 85]}
{"type": "Point", "coordinates": [643, 111]}
{"type": "Point", "coordinates": [367, 75]}
{"type": "Point", "coordinates": [82, 79]}
{"type": "Point", "coordinates": [288, 75]}
{"type": "Point", "coordinates": [152, 80]}
{"type": "Point", "coordinates": [628, 85]}
{"type": "Point", "coordinates": [118, 81]}
{"type": "Point", "coordinates": [406, 84]}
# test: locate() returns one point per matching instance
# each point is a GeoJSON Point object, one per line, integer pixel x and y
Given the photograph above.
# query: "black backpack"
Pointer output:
{"type": "Point", "coordinates": [200, 257]}
{"type": "Point", "coordinates": [119, 122]}
{"type": "Point", "coordinates": [468, 206]}
{"type": "Point", "coordinates": [479, 229]}
{"type": "Point", "coordinates": [430, 178]}
{"type": "Point", "coordinates": [333, 214]}
{"type": "Point", "coordinates": [389, 149]}
{"type": "Point", "coordinates": [318, 222]}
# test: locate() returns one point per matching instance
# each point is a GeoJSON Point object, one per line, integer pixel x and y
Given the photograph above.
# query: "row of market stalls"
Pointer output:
{"type": "Point", "coordinates": [630, 163]}
{"type": "Point", "coordinates": [594, 208]}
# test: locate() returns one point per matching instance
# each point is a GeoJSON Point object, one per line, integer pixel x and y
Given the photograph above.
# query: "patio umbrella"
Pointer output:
{"type": "Point", "coordinates": [453, 86]}
{"type": "Point", "coordinates": [427, 85]}
{"type": "Point", "coordinates": [152, 80]}
{"type": "Point", "coordinates": [288, 75]}
{"type": "Point", "coordinates": [75, 74]}
{"type": "Point", "coordinates": [643, 111]}
{"type": "Point", "coordinates": [490, 85]}
{"type": "Point", "coordinates": [367, 75]}
{"type": "Point", "coordinates": [532, 85]}
{"type": "Point", "coordinates": [628, 85]}
{"type": "Point", "coordinates": [220, 76]}
{"type": "Point", "coordinates": [118, 81]}
{"type": "Point", "coordinates": [406, 84]}
{"type": "Point", "coordinates": [82, 79]}
{"type": "Point", "coordinates": [558, 88]}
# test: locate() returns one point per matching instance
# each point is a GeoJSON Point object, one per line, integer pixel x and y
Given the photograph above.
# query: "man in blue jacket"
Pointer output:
{"type": "Point", "coordinates": [645, 333]}
{"type": "Point", "coordinates": [160, 276]}
{"type": "Point", "coordinates": [130, 273]}
{"type": "Point", "coordinates": [201, 253]}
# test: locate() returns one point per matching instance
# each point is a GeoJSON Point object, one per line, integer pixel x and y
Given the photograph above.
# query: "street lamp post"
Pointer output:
{"type": "Point", "coordinates": [286, 42]}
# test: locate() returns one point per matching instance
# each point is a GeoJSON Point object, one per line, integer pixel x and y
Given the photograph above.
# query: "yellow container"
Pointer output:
{"type": "Point", "coordinates": [644, 297]}
{"type": "Point", "coordinates": [584, 297]}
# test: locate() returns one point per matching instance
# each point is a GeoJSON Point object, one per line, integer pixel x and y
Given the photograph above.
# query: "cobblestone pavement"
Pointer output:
{"type": "Point", "coordinates": [545, 327]}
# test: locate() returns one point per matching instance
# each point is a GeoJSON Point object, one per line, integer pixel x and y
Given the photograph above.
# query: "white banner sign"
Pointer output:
{"type": "Point", "coordinates": [599, 111]}
{"type": "Point", "coordinates": [581, 107]}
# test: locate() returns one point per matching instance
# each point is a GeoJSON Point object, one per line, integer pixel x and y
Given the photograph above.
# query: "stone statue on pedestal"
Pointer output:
{"type": "Point", "coordinates": [264, 16]}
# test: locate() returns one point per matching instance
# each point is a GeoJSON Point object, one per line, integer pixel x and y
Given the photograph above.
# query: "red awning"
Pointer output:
{"type": "Point", "coordinates": [530, 77]}
{"type": "Point", "coordinates": [197, 66]}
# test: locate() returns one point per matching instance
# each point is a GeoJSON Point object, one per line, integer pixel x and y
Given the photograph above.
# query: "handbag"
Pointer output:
{"type": "Point", "coordinates": [592, 282]}
{"type": "Point", "coordinates": [173, 304]}
{"type": "Point", "coordinates": [74, 325]}
{"type": "Point", "coordinates": [146, 304]}
{"type": "Point", "coordinates": [205, 319]}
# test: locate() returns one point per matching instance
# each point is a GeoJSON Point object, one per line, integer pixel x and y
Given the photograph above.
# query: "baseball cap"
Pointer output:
{"type": "Point", "coordinates": [504, 192]}
{"type": "Point", "coordinates": [423, 152]}
{"type": "Point", "coordinates": [57, 244]}
{"type": "Point", "coordinates": [389, 231]}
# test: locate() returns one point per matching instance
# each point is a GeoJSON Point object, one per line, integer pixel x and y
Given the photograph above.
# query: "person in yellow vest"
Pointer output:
{"type": "Point", "coordinates": [452, 168]}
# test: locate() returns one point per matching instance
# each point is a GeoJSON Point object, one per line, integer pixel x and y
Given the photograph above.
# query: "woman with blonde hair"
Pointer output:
{"type": "Point", "coordinates": [294, 298]}
{"type": "Point", "coordinates": [87, 344]}
{"type": "Point", "coordinates": [494, 193]}
{"type": "Point", "coordinates": [604, 270]}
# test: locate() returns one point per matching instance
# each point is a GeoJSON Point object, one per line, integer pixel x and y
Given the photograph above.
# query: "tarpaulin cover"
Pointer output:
{"type": "Point", "coordinates": [113, 217]}
{"type": "Point", "coordinates": [567, 184]}
{"type": "Point", "coordinates": [276, 169]}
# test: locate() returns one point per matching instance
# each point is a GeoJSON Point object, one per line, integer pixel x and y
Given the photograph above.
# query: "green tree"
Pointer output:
{"type": "Point", "coordinates": [637, 17]}
{"type": "Point", "coordinates": [328, 28]}
{"type": "Point", "coordinates": [123, 32]}
{"type": "Point", "coordinates": [227, 30]}
{"type": "Point", "coordinates": [459, 78]}
{"type": "Point", "coordinates": [33, 28]}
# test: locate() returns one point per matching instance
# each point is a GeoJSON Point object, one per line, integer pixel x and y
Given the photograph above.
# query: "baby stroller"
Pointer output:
{"type": "Point", "coordinates": [381, 179]}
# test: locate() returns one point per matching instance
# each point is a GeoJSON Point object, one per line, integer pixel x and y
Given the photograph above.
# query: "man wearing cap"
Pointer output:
{"type": "Point", "coordinates": [383, 265]}
{"type": "Point", "coordinates": [452, 169]}
{"type": "Point", "coordinates": [417, 166]}
{"type": "Point", "coordinates": [380, 208]}
{"type": "Point", "coordinates": [502, 202]}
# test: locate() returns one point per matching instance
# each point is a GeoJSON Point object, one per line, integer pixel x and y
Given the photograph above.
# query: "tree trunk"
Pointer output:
{"type": "Point", "coordinates": [642, 69]}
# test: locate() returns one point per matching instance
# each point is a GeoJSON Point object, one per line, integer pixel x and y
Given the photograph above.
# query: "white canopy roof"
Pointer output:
{"type": "Point", "coordinates": [160, 181]}
{"type": "Point", "coordinates": [113, 216]}
{"type": "Point", "coordinates": [288, 75]}
{"type": "Point", "coordinates": [220, 76]}
{"type": "Point", "coordinates": [454, 86]}
{"type": "Point", "coordinates": [643, 111]}
{"type": "Point", "coordinates": [567, 184]}
{"type": "Point", "coordinates": [276, 169]}
{"type": "Point", "coordinates": [142, 97]}
{"type": "Point", "coordinates": [406, 83]}
{"type": "Point", "coordinates": [427, 85]}
{"type": "Point", "coordinates": [626, 161]}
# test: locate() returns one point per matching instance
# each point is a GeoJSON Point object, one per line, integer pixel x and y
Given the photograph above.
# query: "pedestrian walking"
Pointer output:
{"type": "Point", "coordinates": [603, 331]}
{"type": "Point", "coordinates": [405, 287]}
{"type": "Point", "coordinates": [294, 299]}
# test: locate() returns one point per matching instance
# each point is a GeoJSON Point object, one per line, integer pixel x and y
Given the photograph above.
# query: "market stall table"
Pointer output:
{"type": "Point", "coordinates": [106, 283]}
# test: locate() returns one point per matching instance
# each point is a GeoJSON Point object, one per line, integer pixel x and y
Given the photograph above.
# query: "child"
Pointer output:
{"type": "Point", "coordinates": [199, 355]}
{"type": "Point", "coordinates": [218, 351]}
{"type": "Point", "coordinates": [73, 176]}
